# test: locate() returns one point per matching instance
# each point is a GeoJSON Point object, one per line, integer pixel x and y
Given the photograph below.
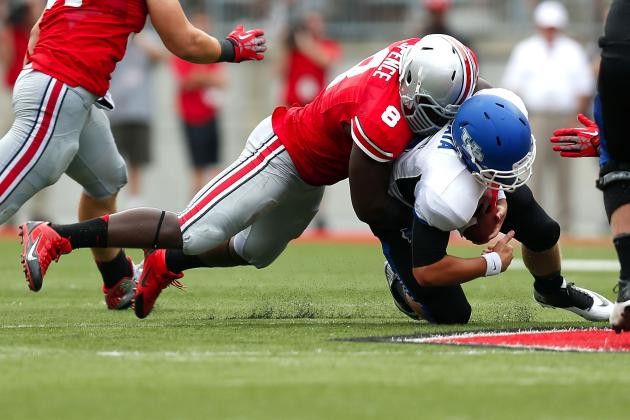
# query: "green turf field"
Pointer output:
{"type": "Point", "coordinates": [244, 344]}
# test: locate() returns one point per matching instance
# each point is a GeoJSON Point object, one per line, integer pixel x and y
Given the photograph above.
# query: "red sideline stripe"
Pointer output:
{"type": "Point", "coordinates": [39, 137]}
{"type": "Point", "coordinates": [563, 340]}
{"type": "Point", "coordinates": [226, 183]}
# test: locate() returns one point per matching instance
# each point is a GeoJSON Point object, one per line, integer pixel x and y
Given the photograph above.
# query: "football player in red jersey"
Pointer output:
{"type": "Point", "coordinates": [247, 214]}
{"type": "Point", "coordinates": [72, 51]}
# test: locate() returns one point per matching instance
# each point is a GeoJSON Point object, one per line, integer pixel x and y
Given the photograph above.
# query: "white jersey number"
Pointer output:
{"type": "Point", "coordinates": [69, 3]}
{"type": "Point", "coordinates": [391, 116]}
{"type": "Point", "coordinates": [370, 63]}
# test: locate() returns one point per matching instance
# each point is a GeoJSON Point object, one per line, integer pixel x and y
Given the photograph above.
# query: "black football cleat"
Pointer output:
{"type": "Point", "coordinates": [397, 289]}
{"type": "Point", "coordinates": [585, 303]}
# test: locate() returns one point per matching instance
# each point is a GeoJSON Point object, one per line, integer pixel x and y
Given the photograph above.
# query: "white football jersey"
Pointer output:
{"type": "Point", "coordinates": [433, 180]}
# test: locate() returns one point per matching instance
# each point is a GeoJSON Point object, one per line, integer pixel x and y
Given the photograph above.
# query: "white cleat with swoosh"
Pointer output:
{"type": "Point", "coordinates": [583, 302]}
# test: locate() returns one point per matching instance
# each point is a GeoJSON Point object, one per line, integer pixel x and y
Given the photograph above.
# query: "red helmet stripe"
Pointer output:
{"type": "Point", "coordinates": [469, 63]}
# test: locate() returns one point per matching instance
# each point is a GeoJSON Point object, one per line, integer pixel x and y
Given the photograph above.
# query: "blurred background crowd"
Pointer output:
{"type": "Point", "coordinates": [177, 124]}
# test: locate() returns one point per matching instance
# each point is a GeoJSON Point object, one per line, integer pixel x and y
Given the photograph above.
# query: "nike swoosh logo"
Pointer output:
{"type": "Point", "coordinates": [603, 302]}
{"type": "Point", "coordinates": [243, 37]}
{"type": "Point", "coordinates": [31, 252]}
{"type": "Point", "coordinates": [590, 133]}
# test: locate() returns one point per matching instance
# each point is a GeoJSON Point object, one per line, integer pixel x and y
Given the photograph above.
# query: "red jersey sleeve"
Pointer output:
{"type": "Point", "coordinates": [378, 139]}
{"type": "Point", "coordinates": [364, 134]}
{"type": "Point", "coordinates": [378, 125]}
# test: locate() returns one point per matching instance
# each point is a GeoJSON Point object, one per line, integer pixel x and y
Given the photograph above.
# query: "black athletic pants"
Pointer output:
{"type": "Point", "coordinates": [614, 81]}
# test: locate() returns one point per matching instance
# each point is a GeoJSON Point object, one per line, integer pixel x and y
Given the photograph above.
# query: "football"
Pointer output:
{"type": "Point", "coordinates": [484, 220]}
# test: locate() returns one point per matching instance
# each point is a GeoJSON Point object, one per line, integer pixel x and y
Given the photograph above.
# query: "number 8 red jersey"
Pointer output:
{"type": "Point", "coordinates": [364, 99]}
{"type": "Point", "coordinates": [81, 41]}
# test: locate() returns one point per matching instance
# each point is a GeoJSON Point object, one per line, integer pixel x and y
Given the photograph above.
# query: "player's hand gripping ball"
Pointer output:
{"type": "Point", "coordinates": [487, 220]}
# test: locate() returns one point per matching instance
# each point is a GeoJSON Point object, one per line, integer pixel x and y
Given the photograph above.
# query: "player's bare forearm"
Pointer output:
{"type": "Point", "coordinates": [449, 271]}
{"type": "Point", "coordinates": [179, 35]}
{"type": "Point", "coordinates": [369, 181]}
{"type": "Point", "coordinates": [194, 45]}
{"type": "Point", "coordinates": [203, 48]}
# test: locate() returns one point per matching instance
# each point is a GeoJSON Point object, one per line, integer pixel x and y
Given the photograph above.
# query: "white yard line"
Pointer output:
{"type": "Point", "coordinates": [577, 265]}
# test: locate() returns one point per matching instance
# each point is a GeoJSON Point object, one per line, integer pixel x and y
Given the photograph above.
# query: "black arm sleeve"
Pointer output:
{"type": "Point", "coordinates": [428, 245]}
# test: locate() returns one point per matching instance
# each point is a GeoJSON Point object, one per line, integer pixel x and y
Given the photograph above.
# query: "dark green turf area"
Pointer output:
{"type": "Point", "coordinates": [242, 343]}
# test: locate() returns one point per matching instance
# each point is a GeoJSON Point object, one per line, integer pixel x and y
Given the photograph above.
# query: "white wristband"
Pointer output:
{"type": "Point", "coordinates": [493, 263]}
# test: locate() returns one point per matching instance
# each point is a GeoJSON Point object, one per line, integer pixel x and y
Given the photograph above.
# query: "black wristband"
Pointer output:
{"type": "Point", "coordinates": [227, 50]}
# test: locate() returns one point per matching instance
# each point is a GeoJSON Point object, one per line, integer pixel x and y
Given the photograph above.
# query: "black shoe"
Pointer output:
{"type": "Point", "coordinates": [586, 303]}
{"type": "Point", "coordinates": [397, 289]}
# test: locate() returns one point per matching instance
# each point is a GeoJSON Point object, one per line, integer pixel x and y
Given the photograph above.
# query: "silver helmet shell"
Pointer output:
{"type": "Point", "coordinates": [437, 75]}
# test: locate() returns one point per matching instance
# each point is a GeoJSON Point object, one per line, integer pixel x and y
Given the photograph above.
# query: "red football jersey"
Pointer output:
{"type": "Point", "coordinates": [365, 99]}
{"type": "Point", "coordinates": [81, 41]}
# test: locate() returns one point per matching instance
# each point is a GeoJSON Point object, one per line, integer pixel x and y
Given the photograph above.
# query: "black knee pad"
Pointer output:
{"type": "Point", "coordinates": [614, 181]}
{"type": "Point", "coordinates": [616, 195]}
{"type": "Point", "coordinates": [534, 228]}
{"type": "Point", "coordinates": [541, 234]}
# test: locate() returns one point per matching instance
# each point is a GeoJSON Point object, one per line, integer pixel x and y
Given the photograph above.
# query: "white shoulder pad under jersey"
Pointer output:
{"type": "Point", "coordinates": [433, 180]}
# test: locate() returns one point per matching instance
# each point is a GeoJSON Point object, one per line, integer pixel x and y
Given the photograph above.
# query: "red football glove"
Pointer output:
{"type": "Point", "coordinates": [577, 142]}
{"type": "Point", "coordinates": [248, 45]}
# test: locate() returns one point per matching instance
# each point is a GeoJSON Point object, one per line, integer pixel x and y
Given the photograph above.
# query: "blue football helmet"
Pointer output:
{"type": "Point", "coordinates": [493, 138]}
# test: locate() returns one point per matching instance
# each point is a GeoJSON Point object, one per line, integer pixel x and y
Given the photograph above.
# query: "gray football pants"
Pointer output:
{"type": "Point", "coordinates": [57, 129]}
{"type": "Point", "coordinates": [260, 200]}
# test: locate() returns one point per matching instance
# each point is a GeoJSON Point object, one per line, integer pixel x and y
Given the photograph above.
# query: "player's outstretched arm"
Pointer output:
{"type": "Point", "coordinates": [434, 267]}
{"type": "Point", "coordinates": [194, 45]}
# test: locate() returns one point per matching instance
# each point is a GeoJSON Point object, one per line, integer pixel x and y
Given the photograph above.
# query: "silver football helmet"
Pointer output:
{"type": "Point", "coordinates": [437, 75]}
